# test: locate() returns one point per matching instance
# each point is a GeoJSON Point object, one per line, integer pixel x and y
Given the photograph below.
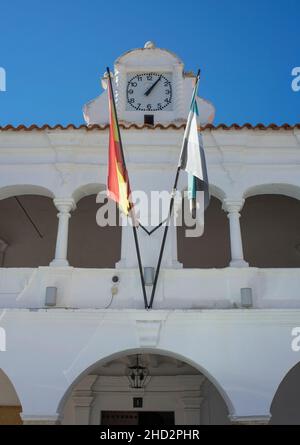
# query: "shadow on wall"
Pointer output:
{"type": "Point", "coordinates": [28, 231]}
{"type": "Point", "coordinates": [212, 249]}
{"type": "Point", "coordinates": [270, 226]}
{"type": "Point", "coordinates": [89, 244]}
{"type": "Point", "coordinates": [28, 228]}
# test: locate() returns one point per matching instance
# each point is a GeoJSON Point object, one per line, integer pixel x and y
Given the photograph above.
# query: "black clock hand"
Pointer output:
{"type": "Point", "coordinates": [152, 86]}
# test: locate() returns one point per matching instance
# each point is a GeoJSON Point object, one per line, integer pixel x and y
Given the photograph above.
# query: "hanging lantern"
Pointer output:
{"type": "Point", "coordinates": [138, 375]}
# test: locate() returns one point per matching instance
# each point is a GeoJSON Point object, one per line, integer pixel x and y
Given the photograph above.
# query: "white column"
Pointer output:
{"type": "Point", "coordinates": [149, 247]}
{"type": "Point", "coordinates": [83, 398]}
{"type": "Point", "coordinates": [64, 206]}
{"type": "Point", "coordinates": [82, 407]}
{"type": "Point", "coordinates": [233, 208]}
{"type": "Point", "coordinates": [192, 403]}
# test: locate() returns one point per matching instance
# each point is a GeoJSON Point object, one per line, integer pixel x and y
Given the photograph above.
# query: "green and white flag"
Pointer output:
{"type": "Point", "coordinates": [192, 157]}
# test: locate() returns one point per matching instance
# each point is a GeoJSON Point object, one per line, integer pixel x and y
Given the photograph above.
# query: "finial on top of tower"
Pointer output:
{"type": "Point", "coordinates": [149, 45]}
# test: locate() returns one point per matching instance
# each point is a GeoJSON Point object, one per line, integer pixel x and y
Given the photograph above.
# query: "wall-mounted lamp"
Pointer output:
{"type": "Point", "coordinates": [149, 275]}
{"type": "Point", "coordinates": [246, 297]}
{"type": "Point", "coordinates": [51, 293]}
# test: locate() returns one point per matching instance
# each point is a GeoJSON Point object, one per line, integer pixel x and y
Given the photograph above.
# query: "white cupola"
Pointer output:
{"type": "Point", "coordinates": [150, 87]}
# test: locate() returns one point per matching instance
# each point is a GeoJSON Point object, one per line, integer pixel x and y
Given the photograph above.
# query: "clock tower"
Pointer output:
{"type": "Point", "coordinates": [151, 87]}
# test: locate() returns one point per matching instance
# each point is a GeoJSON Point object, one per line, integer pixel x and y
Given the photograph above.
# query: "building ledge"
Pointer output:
{"type": "Point", "coordinates": [181, 289]}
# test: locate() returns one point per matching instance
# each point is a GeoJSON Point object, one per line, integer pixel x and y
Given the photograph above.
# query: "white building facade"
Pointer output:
{"type": "Point", "coordinates": [212, 356]}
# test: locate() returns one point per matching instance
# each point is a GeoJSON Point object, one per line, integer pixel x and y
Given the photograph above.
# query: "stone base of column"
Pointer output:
{"type": "Point", "coordinates": [59, 263]}
{"type": "Point", "coordinates": [122, 264]}
{"type": "Point", "coordinates": [249, 420]}
{"type": "Point", "coordinates": [238, 263]}
{"type": "Point", "coordinates": [176, 265]}
{"type": "Point", "coordinates": [40, 420]}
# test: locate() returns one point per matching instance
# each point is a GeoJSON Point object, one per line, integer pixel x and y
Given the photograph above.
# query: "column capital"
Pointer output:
{"type": "Point", "coordinates": [64, 205]}
{"type": "Point", "coordinates": [233, 205]}
{"type": "Point", "coordinates": [82, 400]}
{"type": "Point", "coordinates": [191, 401]}
{"type": "Point", "coordinates": [249, 420]}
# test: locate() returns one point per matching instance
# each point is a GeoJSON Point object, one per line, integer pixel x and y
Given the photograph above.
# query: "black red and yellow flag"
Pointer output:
{"type": "Point", "coordinates": [118, 187]}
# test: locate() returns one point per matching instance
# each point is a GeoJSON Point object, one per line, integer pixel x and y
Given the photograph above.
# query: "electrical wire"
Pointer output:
{"type": "Point", "coordinates": [110, 302]}
{"type": "Point", "coordinates": [29, 217]}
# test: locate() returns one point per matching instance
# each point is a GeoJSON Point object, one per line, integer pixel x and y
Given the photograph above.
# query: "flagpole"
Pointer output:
{"type": "Point", "coordinates": [137, 247]}
{"type": "Point", "coordinates": [166, 228]}
{"type": "Point", "coordinates": [164, 239]}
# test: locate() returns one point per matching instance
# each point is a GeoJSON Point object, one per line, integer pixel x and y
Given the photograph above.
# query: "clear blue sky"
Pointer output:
{"type": "Point", "coordinates": [54, 52]}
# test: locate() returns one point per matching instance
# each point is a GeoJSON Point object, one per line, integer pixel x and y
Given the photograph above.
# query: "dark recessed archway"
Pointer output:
{"type": "Point", "coordinates": [90, 245]}
{"type": "Point", "coordinates": [10, 407]}
{"type": "Point", "coordinates": [28, 229]}
{"type": "Point", "coordinates": [270, 226]}
{"type": "Point", "coordinates": [285, 408]}
{"type": "Point", "coordinates": [212, 249]}
{"type": "Point", "coordinates": [111, 390]}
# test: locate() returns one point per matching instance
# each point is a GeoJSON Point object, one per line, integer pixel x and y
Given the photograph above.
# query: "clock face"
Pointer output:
{"type": "Point", "coordinates": [149, 92]}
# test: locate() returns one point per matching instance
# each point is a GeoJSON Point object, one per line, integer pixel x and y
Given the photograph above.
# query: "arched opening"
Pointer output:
{"type": "Point", "coordinates": [90, 245]}
{"type": "Point", "coordinates": [285, 408]}
{"type": "Point", "coordinates": [173, 392]}
{"type": "Point", "coordinates": [212, 249]}
{"type": "Point", "coordinates": [10, 407]}
{"type": "Point", "coordinates": [270, 226]}
{"type": "Point", "coordinates": [28, 228]}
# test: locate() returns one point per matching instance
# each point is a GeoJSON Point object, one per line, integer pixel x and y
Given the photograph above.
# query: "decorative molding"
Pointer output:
{"type": "Point", "coordinates": [232, 205]}
{"type": "Point", "coordinates": [192, 401]}
{"type": "Point", "coordinates": [148, 332]}
{"type": "Point", "coordinates": [249, 420]}
{"type": "Point", "coordinates": [64, 205]}
{"type": "Point", "coordinates": [189, 385]}
{"type": "Point", "coordinates": [85, 384]}
{"type": "Point", "coordinates": [178, 91]}
{"type": "Point", "coordinates": [81, 400]}
{"type": "Point", "coordinates": [40, 420]}
{"type": "Point", "coordinates": [275, 317]}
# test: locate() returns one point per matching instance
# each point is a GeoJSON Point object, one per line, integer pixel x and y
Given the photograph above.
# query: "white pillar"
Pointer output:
{"type": "Point", "coordinates": [149, 247]}
{"type": "Point", "coordinates": [192, 404]}
{"type": "Point", "coordinates": [83, 398]}
{"type": "Point", "coordinates": [82, 407]}
{"type": "Point", "coordinates": [64, 206]}
{"type": "Point", "coordinates": [233, 208]}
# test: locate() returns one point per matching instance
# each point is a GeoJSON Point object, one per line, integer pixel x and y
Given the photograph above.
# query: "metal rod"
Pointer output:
{"type": "Point", "coordinates": [149, 232]}
{"type": "Point", "coordinates": [167, 226]}
{"type": "Point", "coordinates": [162, 248]}
{"type": "Point", "coordinates": [137, 247]}
{"type": "Point", "coordinates": [29, 217]}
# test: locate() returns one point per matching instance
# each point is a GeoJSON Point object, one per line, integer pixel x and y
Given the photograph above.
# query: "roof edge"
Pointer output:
{"type": "Point", "coordinates": [128, 126]}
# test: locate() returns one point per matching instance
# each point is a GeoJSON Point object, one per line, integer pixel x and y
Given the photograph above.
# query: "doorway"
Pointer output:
{"type": "Point", "coordinates": [147, 418]}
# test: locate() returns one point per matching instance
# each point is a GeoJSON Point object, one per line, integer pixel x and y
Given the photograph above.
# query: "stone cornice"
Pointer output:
{"type": "Point", "coordinates": [283, 317]}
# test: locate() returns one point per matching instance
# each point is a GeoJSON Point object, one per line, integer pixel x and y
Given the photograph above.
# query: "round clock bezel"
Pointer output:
{"type": "Point", "coordinates": [145, 109]}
